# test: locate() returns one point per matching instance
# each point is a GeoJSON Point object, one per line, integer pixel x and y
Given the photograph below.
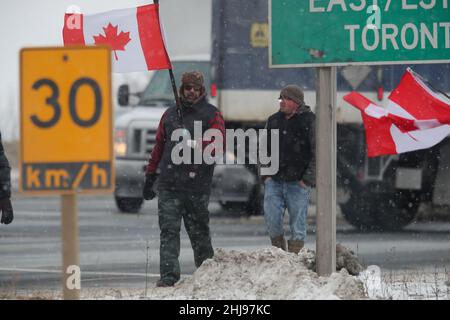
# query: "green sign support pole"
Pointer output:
{"type": "Point", "coordinates": [326, 170]}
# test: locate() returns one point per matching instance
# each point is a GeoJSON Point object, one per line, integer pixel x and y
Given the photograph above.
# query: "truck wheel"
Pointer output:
{"type": "Point", "coordinates": [359, 212]}
{"type": "Point", "coordinates": [129, 205]}
{"type": "Point", "coordinates": [397, 210]}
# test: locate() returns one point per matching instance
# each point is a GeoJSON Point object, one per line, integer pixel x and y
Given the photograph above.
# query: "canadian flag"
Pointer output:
{"type": "Point", "coordinates": [416, 117]}
{"type": "Point", "coordinates": [134, 36]}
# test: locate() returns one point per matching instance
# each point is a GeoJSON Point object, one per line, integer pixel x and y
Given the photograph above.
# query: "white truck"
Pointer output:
{"type": "Point", "coordinates": [382, 193]}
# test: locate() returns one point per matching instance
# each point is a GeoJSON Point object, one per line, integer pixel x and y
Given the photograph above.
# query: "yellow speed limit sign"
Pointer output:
{"type": "Point", "coordinates": [66, 120]}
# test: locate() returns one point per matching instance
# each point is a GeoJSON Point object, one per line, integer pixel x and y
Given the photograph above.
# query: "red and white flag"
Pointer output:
{"type": "Point", "coordinates": [416, 117]}
{"type": "Point", "coordinates": [134, 36]}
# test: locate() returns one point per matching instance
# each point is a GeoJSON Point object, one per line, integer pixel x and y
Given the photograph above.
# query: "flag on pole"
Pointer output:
{"type": "Point", "coordinates": [134, 35]}
{"type": "Point", "coordinates": [416, 117]}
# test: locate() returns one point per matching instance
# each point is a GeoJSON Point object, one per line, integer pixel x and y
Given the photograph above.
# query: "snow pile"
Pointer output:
{"type": "Point", "coordinates": [268, 273]}
{"type": "Point", "coordinates": [273, 274]}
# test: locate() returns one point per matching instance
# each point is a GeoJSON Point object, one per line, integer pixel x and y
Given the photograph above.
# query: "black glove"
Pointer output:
{"type": "Point", "coordinates": [148, 192]}
{"type": "Point", "coordinates": [6, 210]}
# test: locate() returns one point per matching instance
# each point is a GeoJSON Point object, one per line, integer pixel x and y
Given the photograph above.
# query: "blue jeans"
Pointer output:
{"type": "Point", "coordinates": [278, 196]}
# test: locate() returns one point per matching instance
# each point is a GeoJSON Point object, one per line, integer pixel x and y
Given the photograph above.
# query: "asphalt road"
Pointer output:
{"type": "Point", "coordinates": [122, 250]}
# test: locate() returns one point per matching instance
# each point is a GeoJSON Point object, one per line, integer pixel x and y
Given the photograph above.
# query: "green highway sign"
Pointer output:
{"type": "Point", "coordinates": [311, 33]}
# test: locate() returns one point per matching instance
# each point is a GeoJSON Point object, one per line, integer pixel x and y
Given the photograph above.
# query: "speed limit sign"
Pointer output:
{"type": "Point", "coordinates": [66, 120]}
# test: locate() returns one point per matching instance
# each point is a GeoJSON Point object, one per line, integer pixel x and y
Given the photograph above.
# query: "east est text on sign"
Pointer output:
{"type": "Point", "coordinates": [353, 32]}
{"type": "Point", "coordinates": [66, 120]}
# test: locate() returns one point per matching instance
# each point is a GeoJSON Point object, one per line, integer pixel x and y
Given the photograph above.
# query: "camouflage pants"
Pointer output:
{"type": "Point", "coordinates": [193, 208]}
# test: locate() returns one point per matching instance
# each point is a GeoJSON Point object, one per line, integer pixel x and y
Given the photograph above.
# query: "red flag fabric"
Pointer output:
{"type": "Point", "coordinates": [134, 35]}
{"type": "Point", "coordinates": [417, 117]}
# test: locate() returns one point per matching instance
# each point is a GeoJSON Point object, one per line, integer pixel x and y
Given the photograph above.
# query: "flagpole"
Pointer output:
{"type": "Point", "coordinates": [174, 85]}
{"type": "Point", "coordinates": [174, 88]}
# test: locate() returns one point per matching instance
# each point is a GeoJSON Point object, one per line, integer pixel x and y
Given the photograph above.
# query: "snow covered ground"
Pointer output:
{"type": "Point", "coordinates": [272, 274]}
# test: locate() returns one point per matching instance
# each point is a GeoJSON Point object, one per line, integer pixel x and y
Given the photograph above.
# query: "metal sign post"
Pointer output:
{"type": "Point", "coordinates": [326, 170]}
{"type": "Point", "coordinates": [70, 247]}
{"type": "Point", "coordinates": [66, 135]}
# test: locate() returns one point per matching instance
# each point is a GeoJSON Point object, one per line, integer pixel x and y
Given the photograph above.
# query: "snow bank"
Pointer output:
{"type": "Point", "coordinates": [272, 274]}
{"type": "Point", "coordinates": [263, 274]}
{"type": "Point", "coordinates": [268, 273]}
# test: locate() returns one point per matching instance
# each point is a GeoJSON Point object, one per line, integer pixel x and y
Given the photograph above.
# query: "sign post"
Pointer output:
{"type": "Point", "coordinates": [70, 247]}
{"type": "Point", "coordinates": [329, 33]}
{"type": "Point", "coordinates": [66, 135]}
{"type": "Point", "coordinates": [326, 170]}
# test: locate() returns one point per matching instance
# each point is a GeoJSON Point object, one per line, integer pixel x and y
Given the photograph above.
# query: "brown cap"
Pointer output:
{"type": "Point", "coordinates": [193, 78]}
{"type": "Point", "coordinates": [293, 92]}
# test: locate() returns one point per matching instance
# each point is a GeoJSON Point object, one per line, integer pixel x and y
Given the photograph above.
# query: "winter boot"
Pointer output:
{"type": "Point", "coordinates": [279, 242]}
{"type": "Point", "coordinates": [295, 246]}
{"type": "Point", "coordinates": [161, 283]}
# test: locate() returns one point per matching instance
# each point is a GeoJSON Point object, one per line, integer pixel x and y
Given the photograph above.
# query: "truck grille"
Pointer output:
{"type": "Point", "coordinates": [150, 141]}
{"type": "Point", "coordinates": [141, 142]}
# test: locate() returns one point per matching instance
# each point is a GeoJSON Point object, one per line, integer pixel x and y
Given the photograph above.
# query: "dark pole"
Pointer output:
{"type": "Point", "coordinates": [174, 88]}
{"type": "Point", "coordinates": [177, 98]}
{"type": "Point", "coordinates": [174, 85]}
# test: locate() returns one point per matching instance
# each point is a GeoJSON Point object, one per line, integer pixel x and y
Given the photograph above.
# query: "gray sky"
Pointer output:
{"type": "Point", "coordinates": [39, 23]}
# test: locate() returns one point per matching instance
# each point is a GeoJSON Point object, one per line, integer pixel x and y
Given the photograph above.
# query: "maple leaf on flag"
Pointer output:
{"type": "Point", "coordinates": [114, 40]}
